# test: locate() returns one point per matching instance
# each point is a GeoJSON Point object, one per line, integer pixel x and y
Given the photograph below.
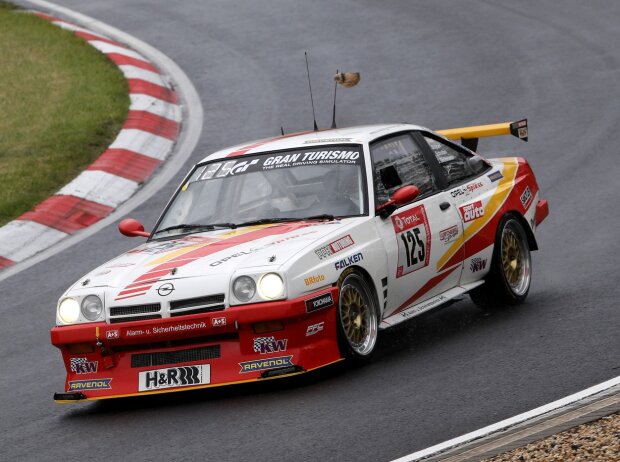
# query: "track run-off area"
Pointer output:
{"type": "Point", "coordinates": [437, 64]}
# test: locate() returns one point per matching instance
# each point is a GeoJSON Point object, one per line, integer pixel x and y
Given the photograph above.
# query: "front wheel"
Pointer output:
{"type": "Point", "coordinates": [358, 325]}
{"type": "Point", "coordinates": [508, 281]}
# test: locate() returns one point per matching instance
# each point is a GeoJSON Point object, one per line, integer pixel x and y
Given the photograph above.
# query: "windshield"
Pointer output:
{"type": "Point", "coordinates": [269, 187]}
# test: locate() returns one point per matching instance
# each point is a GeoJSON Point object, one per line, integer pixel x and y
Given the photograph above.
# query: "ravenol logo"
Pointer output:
{"type": "Point", "coordinates": [262, 364]}
{"type": "Point", "coordinates": [99, 384]}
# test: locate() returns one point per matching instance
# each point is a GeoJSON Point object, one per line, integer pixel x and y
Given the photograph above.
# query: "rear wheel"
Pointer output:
{"type": "Point", "coordinates": [508, 281]}
{"type": "Point", "coordinates": [358, 325]}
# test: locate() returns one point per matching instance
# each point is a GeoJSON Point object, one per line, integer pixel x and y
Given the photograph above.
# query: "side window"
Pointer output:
{"type": "Point", "coordinates": [397, 162]}
{"type": "Point", "coordinates": [454, 163]}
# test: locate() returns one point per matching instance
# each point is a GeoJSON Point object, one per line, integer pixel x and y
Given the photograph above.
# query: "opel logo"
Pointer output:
{"type": "Point", "coordinates": [165, 289]}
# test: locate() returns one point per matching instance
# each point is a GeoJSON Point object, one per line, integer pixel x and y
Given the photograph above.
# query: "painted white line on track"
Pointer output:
{"type": "Point", "coordinates": [141, 102]}
{"type": "Point", "coordinates": [16, 239]}
{"type": "Point", "coordinates": [142, 142]}
{"type": "Point", "coordinates": [185, 144]}
{"type": "Point", "coordinates": [437, 449]}
{"type": "Point", "coordinates": [100, 187]}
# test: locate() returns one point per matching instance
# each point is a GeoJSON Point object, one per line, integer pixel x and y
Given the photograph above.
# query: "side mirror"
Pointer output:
{"type": "Point", "coordinates": [401, 196]}
{"type": "Point", "coordinates": [132, 228]}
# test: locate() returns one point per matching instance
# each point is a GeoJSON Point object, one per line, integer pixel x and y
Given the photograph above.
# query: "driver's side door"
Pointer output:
{"type": "Point", "coordinates": [415, 235]}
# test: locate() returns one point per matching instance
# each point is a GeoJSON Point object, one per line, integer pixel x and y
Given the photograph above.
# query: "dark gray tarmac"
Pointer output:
{"type": "Point", "coordinates": [439, 64]}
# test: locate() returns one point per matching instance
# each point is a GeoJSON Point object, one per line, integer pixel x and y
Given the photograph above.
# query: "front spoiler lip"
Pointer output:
{"type": "Point", "coordinates": [58, 396]}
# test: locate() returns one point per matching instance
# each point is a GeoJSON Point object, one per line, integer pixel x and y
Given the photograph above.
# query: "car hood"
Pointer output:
{"type": "Point", "coordinates": [215, 252]}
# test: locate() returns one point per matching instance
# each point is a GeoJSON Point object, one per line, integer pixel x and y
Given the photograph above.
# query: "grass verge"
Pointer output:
{"type": "Point", "coordinates": [62, 103]}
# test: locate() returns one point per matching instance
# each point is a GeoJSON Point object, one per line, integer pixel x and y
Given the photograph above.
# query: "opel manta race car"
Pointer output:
{"type": "Point", "coordinates": [289, 254]}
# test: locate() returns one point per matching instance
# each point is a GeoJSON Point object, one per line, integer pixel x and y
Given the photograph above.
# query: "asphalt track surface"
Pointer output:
{"type": "Point", "coordinates": [438, 64]}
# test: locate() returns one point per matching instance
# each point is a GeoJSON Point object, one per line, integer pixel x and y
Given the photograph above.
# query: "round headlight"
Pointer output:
{"type": "Point", "coordinates": [244, 288]}
{"type": "Point", "coordinates": [92, 307]}
{"type": "Point", "coordinates": [271, 286]}
{"type": "Point", "coordinates": [69, 310]}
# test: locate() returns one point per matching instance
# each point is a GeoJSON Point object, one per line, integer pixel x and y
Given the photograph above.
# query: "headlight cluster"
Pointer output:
{"type": "Point", "coordinates": [270, 287]}
{"type": "Point", "coordinates": [71, 311]}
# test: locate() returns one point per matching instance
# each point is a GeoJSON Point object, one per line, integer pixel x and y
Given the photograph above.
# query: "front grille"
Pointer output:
{"type": "Point", "coordinates": [134, 309]}
{"type": "Point", "coordinates": [208, 309]}
{"type": "Point", "coordinates": [198, 302]}
{"type": "Point", "coordinates": [134, 318]}
{"type": "Point", "coordinates": [161, 358]}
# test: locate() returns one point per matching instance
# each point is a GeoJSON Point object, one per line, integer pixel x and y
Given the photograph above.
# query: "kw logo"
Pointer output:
{"type": "Point", "coordinates": [477, 264]}
{"type": "Point", "coordinates": [265, 345]}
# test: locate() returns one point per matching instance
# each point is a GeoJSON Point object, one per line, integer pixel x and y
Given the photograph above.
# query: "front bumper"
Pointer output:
{"type": "Point", "coordinates": [239, 344]}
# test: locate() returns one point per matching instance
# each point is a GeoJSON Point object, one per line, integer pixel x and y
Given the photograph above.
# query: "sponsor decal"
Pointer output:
{"type": "Point", "coordinates": [174, 377]}
{"type": "Point", "coordinates": [334, 247]}
{"type": "Point", "coordinates": [414, 240]}
{"type": "Point", "coordinates": [165, 289]}
{"type": "Point", "coordinates": [83, 366]}
{"type": "Point", "coordinates": [477, 264]}
{"type": "Point", "coordinates": [346, 155]}
{"type": "Point", "coordinates": [218, 322]}
{"type": "Point", "coordinates": [320, 302]}
{"type": "Point", "coordinates": [111, 334]}
{"type": "Point", "coordinates": [314, 279]}
{"type": "Point", "coordinates": [234, 255]}
{"type": "Point", "coordinates": [315, 328]}
{"type": "Point", "coordinates": [495, 176]}
{"type": "Point", "coordinates": [82, 385]}
{"type": "Point", "coordinates": [467, 189]}
{"type": "Point", "coordinates": [449, 234]}
{"type": "Point", "coordinates": [423, 306]}
{"type": "Point", "coordinates": [342, 243]}
{"type": "Point", "coordinates": [165, 329]}
{"type": "Point", "coordinates": [472, 211]}
{"type": "Point", "coordinates": [262, 364]}
{"type": "Point", "coordinates": [350, 260]}
{"type": "Point", "coordinates": [266, 345]}
{"type": "Point", "coordinates": [526, 197]}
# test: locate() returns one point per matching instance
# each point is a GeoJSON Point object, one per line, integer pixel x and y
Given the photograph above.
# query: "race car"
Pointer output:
{"type": "Point", "coordinates": [288, 254]}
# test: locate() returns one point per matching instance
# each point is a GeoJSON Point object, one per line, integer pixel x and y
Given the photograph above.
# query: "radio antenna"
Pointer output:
{"type": "Point", "coordinates": [334, 111]}
{"type": "Point", "coordinates": [316, 128]}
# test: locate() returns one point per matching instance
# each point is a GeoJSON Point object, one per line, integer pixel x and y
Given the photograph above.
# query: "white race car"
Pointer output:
{"type": "Point", "coordinates": [289, 254]}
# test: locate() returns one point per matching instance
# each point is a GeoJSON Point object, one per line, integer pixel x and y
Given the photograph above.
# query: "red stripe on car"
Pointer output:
{"type": "Point", "coordinates": [424, 289]}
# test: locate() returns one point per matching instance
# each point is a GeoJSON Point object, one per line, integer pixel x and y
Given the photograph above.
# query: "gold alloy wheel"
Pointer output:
{"type": "Point", "coordinates": [358, 315]}
{"type": "Point", "coordinates": [515, 257]}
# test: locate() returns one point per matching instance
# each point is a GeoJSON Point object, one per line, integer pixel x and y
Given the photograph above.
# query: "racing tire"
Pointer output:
{"type": "Point", "coordinates": [357, 318]}
{"type": "Point", "coordinates": [510, 275]}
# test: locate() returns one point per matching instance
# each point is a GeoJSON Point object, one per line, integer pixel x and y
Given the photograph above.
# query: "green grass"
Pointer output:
{"type": "Point", "coordinates": [61, 104]}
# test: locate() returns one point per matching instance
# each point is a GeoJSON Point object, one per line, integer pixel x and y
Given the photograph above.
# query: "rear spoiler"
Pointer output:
{"type": "Point", "coordinates": [469, 135]}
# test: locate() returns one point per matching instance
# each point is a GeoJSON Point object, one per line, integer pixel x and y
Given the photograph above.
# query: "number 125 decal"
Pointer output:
{"type": "Point", "coordinates": [414, 240]}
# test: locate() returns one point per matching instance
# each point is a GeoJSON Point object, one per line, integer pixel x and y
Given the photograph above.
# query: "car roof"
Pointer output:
{"type": "Point", "coordinates": [357, 134]}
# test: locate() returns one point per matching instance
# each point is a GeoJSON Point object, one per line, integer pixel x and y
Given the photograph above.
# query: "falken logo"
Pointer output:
{"type": "Point", "coordinates": [262, 364]}
{"type": "Point", "coordinates": [477, 264]}
{"type": "Point", "coordinates": [174, 377]}
{"type": "Point", "coordinates": [320, 302]}
{"type": "Point", "coordinates": [472, 211]}
{"type": "Point", "coordinates": [526, 197]}
{"type": "Point", "coordinates": [81, 385]}
{"type": "Point", "coordinates": [346, 262]}
{"type": "Point", "coordinates": [315, 328]}
{"type": "Point", "coordinates": [265, 345]}
{"type": "Point", "coordinates": [83, 366]}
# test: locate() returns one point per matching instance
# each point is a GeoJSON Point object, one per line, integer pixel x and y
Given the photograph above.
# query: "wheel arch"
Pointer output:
{"type": "Point", "coordinates": [367, 278]}
{"type": "Point", "coordinates": [531, 239]}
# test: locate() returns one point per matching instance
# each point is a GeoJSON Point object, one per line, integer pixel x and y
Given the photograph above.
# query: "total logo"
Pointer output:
{"type": "Point", "coordinates": [405, 220]}
{"type": "Point", "coordinates": [472, 211]}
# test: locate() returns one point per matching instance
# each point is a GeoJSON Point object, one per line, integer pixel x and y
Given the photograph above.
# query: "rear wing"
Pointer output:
{"type": "Point", "coordinates": [469, 135]}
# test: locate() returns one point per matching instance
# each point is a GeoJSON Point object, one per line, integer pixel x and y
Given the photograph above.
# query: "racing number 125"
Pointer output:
{"type": "Point", "coordinates": [412, 237]}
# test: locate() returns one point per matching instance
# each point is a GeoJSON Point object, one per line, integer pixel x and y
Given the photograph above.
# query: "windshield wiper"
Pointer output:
{"type": "Point", "coordinates": [209, 227]}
